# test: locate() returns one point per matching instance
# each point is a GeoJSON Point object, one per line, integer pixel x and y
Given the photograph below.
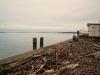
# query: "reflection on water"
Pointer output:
{"type": "Point", "coordinates": [16, 43]}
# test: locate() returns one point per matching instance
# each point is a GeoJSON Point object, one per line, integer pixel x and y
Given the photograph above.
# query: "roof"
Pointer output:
{"type": "Point", "coordinates": [93, 24]}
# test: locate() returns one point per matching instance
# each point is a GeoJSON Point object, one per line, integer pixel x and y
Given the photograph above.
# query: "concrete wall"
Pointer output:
{"type": "Point", "coordinates": [94, 30]}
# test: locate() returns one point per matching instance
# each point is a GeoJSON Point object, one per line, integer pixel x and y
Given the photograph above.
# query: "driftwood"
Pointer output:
{"type": "Point", "coordinates": [70, 66]}
{"type": "Point", "coordinates": [95, 55]}
{"type": "Point", "coordinates": [41, 68]}
{"type": "Point", "coordinates": [19, 65]}
{"type": "Point", "coordinates": [50, 72]}
{"type": "Point", "coordinates": [96, 45]}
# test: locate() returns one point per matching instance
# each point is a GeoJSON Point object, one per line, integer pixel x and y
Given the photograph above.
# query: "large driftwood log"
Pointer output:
{"type": "Point", "coordinates": [96, 55]}
{"type": "Point", "coordinates": [70, 66]}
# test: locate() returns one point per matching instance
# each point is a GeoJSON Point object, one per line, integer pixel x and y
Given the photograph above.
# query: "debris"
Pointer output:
{"type": "Point", "coordinates": [75, 71]}
{"type": "Point", "coordinates": [41, 67]}
{"type": "Point", "coordinates": [32, 74]}
{"type": "Point", "coordinates": [66, 62]}
{"type": "Point", "coordinates": [50, 72]}
{"type": "Point", "coordinates": [96, 45]}
{"type": "Point", "coordinates": [95, 55]}
{"type": "Point", "coordinates": [72, 66]}
{"type": "Point", "coordinates": [75, 38]}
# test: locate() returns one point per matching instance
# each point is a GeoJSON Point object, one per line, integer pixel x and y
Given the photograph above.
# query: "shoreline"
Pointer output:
{"type": "Point", "coordinates": [29, 54]}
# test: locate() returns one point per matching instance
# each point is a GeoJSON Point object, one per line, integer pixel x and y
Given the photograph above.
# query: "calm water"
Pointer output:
{"type": "Point", "coordinates": [16, 43]}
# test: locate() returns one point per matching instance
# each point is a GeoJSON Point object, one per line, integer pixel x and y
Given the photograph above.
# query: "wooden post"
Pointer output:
{"type": "Point", "coordinates": [41, 42]}
{"type": "Point", "coordinates": [78, 32]}
{"type": "Point", "coordinates": [34, 43]}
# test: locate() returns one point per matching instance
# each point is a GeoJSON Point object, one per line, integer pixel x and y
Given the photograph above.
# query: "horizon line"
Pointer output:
{"type": "Point", "coordinates": [41, 32]}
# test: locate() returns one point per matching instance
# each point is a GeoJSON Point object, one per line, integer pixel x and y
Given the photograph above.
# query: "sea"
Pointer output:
{"type": "Point", "coordinates": [12, 44]}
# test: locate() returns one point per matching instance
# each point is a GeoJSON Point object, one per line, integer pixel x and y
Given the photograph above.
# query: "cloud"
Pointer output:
{"type": "Point", "coordinates": [48, 13]}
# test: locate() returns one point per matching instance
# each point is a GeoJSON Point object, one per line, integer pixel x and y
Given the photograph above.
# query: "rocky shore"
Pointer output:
{"type": "Point", "coordinates": [73, 57]}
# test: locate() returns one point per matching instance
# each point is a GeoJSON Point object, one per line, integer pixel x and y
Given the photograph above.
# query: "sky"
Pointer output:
{"type": "Point", "coordinates": [48, 15]}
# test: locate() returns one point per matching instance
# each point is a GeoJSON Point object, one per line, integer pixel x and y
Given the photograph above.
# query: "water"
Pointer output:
{"type": "Point", "coordinates": [16, 43]}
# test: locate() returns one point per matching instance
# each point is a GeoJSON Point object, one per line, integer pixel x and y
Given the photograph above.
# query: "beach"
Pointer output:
{"type": "Point", "coordinates": [72, 57]}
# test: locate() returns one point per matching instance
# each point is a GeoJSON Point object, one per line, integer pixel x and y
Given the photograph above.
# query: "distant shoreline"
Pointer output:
{"type": "Point", "coordinates": [38, 32]}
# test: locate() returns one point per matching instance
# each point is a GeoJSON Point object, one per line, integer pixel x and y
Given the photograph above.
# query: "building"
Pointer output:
{"type": "Point", "coordinates": [94, 29]}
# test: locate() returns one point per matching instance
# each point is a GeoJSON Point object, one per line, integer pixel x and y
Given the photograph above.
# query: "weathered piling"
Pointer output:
{"type": "Point", "coordinates": [41, 42]}
{"type": "Point", "coordinates": [34, 43]}
{"type": "Point", "coordinates": [78, 32]}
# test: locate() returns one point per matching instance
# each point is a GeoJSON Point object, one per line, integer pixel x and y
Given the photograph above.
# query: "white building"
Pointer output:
{"type": "Point", "coordinates": [94, 29]}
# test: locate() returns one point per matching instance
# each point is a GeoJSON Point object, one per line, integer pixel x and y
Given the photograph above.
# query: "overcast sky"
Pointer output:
{"type": "Point", "coordinates": [48, 15]}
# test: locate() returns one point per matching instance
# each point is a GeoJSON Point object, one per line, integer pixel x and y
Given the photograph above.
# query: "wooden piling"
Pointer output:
{"type": "Point", "coordinates": [78, 32]}
{"type": "Point", "coordinates": [34, 43]}
{"type": "Point", "coordinates": [41, 42]}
